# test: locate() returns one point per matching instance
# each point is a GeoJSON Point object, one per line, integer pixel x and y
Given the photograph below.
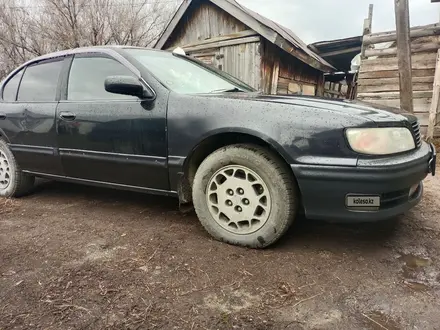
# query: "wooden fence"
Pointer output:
{"type": "Point", "coordinates": [378, 80]}
{"type": "Point", "coordinates": [334, 90]}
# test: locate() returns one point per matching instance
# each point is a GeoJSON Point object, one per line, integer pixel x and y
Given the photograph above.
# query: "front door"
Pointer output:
{"type": "Point", "coordinates": [108, 137]}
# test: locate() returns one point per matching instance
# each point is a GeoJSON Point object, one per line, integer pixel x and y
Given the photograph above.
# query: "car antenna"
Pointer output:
{"type": "Point", "coordinates": [179, 51]}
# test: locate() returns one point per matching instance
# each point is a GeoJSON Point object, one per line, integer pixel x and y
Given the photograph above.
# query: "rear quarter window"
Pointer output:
{"type": "Point", "coordinates": [11, 87]}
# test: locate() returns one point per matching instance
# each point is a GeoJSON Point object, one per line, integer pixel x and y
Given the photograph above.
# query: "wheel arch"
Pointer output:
{"type": "Point", "coordinates": [3, 136]}
{"type": "Point", "coordinates": [217, 140]}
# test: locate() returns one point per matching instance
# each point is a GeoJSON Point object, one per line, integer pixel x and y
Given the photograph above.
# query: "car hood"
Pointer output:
{"type": "Point", "coordinates": [376, 113]}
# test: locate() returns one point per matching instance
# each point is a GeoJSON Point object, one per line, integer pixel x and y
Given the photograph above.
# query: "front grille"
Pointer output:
{"type": "Point", "coordinates": [416, 132]}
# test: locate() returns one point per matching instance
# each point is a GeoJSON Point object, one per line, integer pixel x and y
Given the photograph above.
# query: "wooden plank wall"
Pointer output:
{"type": "Point", "coordinates": [293, 76]}
{"type": "Point", "coordinates": [378, 80]}
{"type": "Point", "coordinates": [204, 22]}
{"type": "Point", "coordinates": [243, 61]}
{"type": "Point", "coordinates": [213, 36]}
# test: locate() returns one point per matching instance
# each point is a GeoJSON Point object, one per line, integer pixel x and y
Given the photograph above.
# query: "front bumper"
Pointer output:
{"type": "Point", "coordinates": [324, 189]}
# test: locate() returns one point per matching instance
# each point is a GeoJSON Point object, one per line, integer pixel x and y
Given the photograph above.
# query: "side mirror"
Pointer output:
{"type": "Point", "coordinates": [127, 85]}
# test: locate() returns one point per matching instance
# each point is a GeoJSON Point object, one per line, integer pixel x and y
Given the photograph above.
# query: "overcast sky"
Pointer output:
{"type": "Point", "coordinates": [319, 20]}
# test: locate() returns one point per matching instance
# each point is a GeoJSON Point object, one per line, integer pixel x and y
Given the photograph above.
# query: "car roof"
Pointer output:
{"type": "Point", "coordinates": [110, 50]}
{"type": "Point", "coordinates": [104, 49]}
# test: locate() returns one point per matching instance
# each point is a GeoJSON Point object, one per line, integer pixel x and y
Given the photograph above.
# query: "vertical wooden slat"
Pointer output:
{"type": "Point", "coordinates": [242, 61]}
{"type": "Point", "coordinates": [257, 66]}
{"type": "Point", "coordinates": [275, 77]}
{"type": "Point", "coordinates": [432, 121]}
{"type": "Point", "coordinates": [368, 25]}
{"type": "Point", "coordinates": [204, 22]}
{"type": "Point", "coordinates": [404, 55]}
{"type": "Point", "coordinates": [320, 88]}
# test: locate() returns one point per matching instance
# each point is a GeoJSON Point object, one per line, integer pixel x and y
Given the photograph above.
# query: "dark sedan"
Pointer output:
{"type": "Point", "coordinates": [163, 123]}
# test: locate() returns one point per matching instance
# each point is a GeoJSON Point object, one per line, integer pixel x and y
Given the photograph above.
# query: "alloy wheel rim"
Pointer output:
{"type": "Point", "coordinates": [5, 171]}
{"type": "Point", "coordinates": [238, 199]}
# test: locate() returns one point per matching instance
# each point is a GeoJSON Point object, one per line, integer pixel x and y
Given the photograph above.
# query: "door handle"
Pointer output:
{"type": "Point", "coordinates": [2, 116]}
{"type": "Point", "coordinates": [67, 115]}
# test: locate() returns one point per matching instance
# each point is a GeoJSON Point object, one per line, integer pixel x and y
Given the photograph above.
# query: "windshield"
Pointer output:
{"type": "Point", "coordinates": [185, 75]}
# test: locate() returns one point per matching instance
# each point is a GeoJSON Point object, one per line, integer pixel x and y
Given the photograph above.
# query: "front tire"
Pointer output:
{"type": "Point", "coordinates": [246, 196]}
{"type": "Point", "coordinates": [13, 182]}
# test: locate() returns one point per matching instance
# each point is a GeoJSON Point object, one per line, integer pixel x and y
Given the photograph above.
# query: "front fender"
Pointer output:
{"type": "Point", "coordinates": [288, 157]}
{"type": "Point", "coordinates": [298, 133]}
{"type": "Point", "coordinates": [4, 136]}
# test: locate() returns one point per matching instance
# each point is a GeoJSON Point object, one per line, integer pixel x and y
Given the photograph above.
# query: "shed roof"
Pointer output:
{"type": "Point", "coordinates": [339, 52]}
{"type": "Point", "coordinates": [273, 32]}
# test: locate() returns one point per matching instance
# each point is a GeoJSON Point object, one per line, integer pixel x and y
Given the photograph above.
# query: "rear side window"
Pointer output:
{"type": "Point", "coordinates": [87, 78]}
{"type": "Point", "coordinates": [11, 87]}
{"type": "Point", "coordinates": [40, 81]}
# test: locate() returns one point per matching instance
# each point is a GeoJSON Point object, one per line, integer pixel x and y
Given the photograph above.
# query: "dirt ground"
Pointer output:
{"type": "Point", "coordinates": [74, 257]}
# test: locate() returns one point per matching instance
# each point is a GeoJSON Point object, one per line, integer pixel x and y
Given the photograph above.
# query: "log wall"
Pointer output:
{"type": "Point", "coordinates": [378, 80]}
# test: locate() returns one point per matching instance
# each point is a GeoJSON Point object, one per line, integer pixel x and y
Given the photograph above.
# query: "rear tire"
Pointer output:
{"type": "Point", "coordinates": [13, 182]}
{"type": "Point", "coordinates": [244, 195]}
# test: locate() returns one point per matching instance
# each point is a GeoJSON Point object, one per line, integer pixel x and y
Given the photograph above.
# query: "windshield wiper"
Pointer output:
{"type": "Point", "coordinates": [227, 90]}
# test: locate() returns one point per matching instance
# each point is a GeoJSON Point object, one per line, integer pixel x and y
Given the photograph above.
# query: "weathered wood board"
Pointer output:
{"type": "Point", "coordinates": [378, 80]}
{"type": "Point", "coordinates": [419, 61]}
{"type": "Point", "coordinates": [243, 61]}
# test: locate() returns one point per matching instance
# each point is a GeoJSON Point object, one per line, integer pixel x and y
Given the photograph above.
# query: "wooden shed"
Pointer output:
{"type": "Point", "coordinates": [262, 53]}
{"type": "Point", "coordinates": [339, 53]}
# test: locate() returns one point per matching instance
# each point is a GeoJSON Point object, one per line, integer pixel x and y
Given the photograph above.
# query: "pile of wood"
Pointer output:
{"type": "Point", "coordinates": [378, 80]}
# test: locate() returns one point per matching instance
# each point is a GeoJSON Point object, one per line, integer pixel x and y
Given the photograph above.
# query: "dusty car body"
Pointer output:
{"type": "Point", "coordinates": [156, 136]}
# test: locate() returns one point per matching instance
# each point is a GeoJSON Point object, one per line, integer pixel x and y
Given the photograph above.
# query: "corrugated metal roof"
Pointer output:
{"type": "Point", "coordinates": [270, 30]}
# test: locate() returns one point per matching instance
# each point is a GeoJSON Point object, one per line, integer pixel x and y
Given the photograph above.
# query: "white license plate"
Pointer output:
{"type": "Point", "coordinates": [363, 201]}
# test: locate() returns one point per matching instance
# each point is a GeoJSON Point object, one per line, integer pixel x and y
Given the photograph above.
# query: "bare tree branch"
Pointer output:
{"type": "Point", "coordinates": [28, 30]}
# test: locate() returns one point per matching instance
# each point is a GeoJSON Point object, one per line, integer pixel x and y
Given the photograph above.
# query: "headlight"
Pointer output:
{"type": "Point", "coordinates": [380, 141]}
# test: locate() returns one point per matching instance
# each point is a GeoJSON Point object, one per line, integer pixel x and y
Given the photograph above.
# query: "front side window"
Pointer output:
{"type": "Point", "coordinates": [40, 81]}
{"type": "Point", "coordinates": [11, 87]}
{"type": "Point", "coordinates": [184, 75]}
{"type": "Point", "coordinates": [87, 79]}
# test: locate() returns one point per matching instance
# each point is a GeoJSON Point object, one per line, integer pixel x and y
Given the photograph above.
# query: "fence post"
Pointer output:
{"type": "Point", "coordinates": [404, 55]}
{"type": "Point", "coordinates": [368, 24]}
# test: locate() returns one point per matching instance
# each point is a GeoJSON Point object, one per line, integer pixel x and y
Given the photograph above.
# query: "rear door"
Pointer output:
{"type": "Point", "coordinates": [29, 105]}
{"type": "Point", "coordinates": [107, 137]}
